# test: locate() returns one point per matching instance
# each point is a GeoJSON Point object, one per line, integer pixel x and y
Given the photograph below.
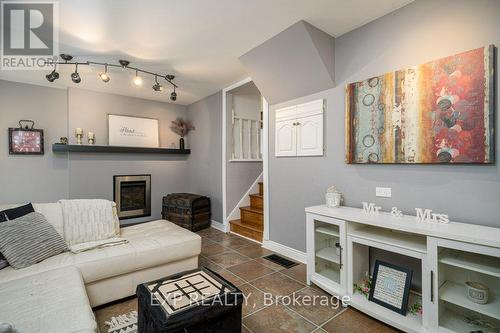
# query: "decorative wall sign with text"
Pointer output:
{"type": "Point", "coordinates": [391, 286]}
{"type": "Point", "coordinates": [131, 131]}
{"type": "Point", "coordinates": [396, 212]}
{"type": "Point", "coordinates": [370, 208]}
{"type": "Point", "coordinates": [426, 215]}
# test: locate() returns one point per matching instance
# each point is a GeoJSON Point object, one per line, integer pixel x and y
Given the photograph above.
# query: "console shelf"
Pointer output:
{"type": "Point", "coordinates": [387, 236]}
{"type": "Point", "coordinates": [455, 293]}
{"type": "Point", "coordinates": [328, 231]}
{"type": "Point", "coordinates": [472, 262]}
{"type": "Point", "coordinates": [60, 148]}
{"type": "Point", "coordinates": [328, 254]}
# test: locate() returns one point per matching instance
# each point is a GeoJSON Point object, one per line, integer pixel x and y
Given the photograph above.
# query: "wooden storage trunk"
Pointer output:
{"type": "Point", "coordinates": [190, 211]}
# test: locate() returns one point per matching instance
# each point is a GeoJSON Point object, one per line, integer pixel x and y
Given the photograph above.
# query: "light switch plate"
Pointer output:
{"type": "Point", "coordinates": [384, 192]}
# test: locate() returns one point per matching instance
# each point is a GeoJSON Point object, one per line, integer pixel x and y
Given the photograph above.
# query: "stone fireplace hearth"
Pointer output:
{"type": "Point", "coordinates": [132, 194]}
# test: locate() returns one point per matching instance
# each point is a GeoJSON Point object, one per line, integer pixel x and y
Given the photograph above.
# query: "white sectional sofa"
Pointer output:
{"type": "Point", "coordinates": [154, 250]}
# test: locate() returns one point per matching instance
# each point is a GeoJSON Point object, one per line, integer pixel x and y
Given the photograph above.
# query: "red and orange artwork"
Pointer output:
{"type": "Point", "coordinates": [438, 112]}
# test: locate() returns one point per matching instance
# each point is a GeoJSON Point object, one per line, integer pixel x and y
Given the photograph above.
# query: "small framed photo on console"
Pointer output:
{"type": "Point", "coordinates": [391, 286]}
{"type": "Point", "coordinates": [26, 140]}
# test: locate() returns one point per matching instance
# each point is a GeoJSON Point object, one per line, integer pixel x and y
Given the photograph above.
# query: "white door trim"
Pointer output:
{"type": "Point", "coordinates": [265, 167]}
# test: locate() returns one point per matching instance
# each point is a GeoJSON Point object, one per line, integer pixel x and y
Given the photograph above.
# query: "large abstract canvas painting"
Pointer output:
{"type": "Point", "coordinates": [438, 112]}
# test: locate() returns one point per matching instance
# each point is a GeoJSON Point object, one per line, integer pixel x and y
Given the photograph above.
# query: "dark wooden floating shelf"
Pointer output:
{"type": "Point", "coordinates": [60, 148]}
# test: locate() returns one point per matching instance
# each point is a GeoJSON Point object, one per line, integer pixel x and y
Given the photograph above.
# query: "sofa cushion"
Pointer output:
{"type": "Point", "coordinates": [53, 214]}
{"type": "Point", "coordinates": [149, 244]}
{"type": "Point", "coordinates": [52, 211]}
{"type": "Point", "coordinates": [28, 240]}
{"type": "Point", "coordinates": [53, 301]}
{"type": "Point", "coordinates": [16, 212]}
{"type": "Point", "coordinates": [3, 262]}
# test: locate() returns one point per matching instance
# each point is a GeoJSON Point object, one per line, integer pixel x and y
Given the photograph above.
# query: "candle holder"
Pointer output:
{"type": "Point", "coordinates": [91, 138]}
{"type": "Point", "coordinates": [79, 135]}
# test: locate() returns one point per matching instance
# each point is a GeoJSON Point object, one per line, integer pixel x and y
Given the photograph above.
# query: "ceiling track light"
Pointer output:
{"type": "Point", "coordinates": [173, 96]}
{"type": "Point", "coordinates": [52, 76]}
{"type": "Point", "coordinates": [123, 64]}
{"type": "Point", "coordinates": [104, 76]}
{"type": "Point", "coordinates": [137, 79]}
{"type": "Point", "coordinates": [75, 77]}
{"type": "Point", "coordinates": [157, 86]}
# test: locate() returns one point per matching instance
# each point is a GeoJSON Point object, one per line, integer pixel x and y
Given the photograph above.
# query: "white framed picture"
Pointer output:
{"type": "Point", "coordinates": [130, 131]}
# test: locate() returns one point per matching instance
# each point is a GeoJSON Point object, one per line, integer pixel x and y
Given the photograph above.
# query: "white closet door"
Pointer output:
{"type": "Point", "coordinates": [310, 136]}
{"type": "Point", "coordinates": [286, 139]}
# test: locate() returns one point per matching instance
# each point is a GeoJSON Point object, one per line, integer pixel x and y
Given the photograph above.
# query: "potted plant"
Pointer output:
{"type": "Point", "coordinates": [182, 128]}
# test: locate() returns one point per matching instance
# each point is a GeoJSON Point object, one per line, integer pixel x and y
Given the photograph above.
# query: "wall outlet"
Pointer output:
{"type": "Point", "coordinates": [384, 192]}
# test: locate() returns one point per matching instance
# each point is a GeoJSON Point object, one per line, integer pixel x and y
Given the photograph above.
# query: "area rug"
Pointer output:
{"type": "Point", "coordinates": [125, 323]}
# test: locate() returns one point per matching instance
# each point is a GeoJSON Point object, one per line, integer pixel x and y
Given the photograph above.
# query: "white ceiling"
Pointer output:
{"type": "Point", "coordinates": [197, 40]}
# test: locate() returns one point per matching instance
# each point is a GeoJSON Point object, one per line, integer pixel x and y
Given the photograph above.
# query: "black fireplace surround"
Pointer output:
{"type": "Point", "coordinates": [132, 194]}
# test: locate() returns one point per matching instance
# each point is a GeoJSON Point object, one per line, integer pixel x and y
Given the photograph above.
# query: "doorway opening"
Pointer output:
{"type": "Point", "coordinates": [245, 140]}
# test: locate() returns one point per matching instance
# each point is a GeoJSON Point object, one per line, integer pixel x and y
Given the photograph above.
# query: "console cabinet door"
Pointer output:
{"type": "Point", "coordinates": [310, 135]}
{"type": "Point", "coordinates": [452, 265]}
{"type": "Point", "coordinates": [286, 138]}
{"type": "Point", "coordinates": [326, 253]}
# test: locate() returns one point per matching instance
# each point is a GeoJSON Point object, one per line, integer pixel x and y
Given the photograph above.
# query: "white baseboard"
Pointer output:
{"type": "Point", "coordinates": [219, 226]}
{"type": "Point", "coordinates": [285, 250]}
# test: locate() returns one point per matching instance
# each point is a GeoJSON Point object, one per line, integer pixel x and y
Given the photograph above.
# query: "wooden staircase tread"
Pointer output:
{"type": "Point", "coordinates": [241, 224]}
{"type": "Point", "coordinates": [257, 195]}
{"type": "Point", "coordinates": [253, 209]}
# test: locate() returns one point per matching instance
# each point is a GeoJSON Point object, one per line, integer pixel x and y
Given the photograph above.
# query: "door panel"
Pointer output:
{"type": "Point", "coordinates": [310, 136]}
{"type": "Point", "coordinates": [286, 138]}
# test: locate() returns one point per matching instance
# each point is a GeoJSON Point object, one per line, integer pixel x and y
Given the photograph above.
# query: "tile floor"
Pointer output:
{"type": "Point", "coordinates": [240, 261]}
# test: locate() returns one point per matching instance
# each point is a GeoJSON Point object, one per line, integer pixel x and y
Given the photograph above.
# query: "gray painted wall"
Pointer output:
{"type": "Point", "coordinates": [296, 62]}
{"type": "Point", "coordinates": [51, 177]}
{"type": "Point", "coordinates": [91, 175]}
{"type": "Point", "coordinates": [240, 176]}
{"type": "Point", "coordinates": [32, 178]}
{"type": "Point", "coordinates": [414, 34]}
{"type": "Point", "coordinates": [205, 162]}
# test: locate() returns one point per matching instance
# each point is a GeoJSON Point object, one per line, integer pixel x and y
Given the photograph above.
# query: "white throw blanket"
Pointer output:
{"type": "Point", "coordinates": [90, 223]}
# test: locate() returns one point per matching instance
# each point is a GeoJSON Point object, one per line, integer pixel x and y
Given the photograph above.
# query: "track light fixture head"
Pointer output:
{"type": "Point", "coordinates": [52, 76]}
{"type": "Point", "coordinates": [169, 77]}
{"type": "Point", "coordinates": [124, 63]}
{"type": "Point", "coordinates": [173, 96]}
{"type": "Point", "coordinates": [75, 77]}
{"type": "Point", "coordinates": [157, 86]}
{"type": "Point", "coordinates": [137, 79]}
{"type": "Point", "coordinates": [66, 57]}
{"type": "Point", "coordinates": [104, 76]}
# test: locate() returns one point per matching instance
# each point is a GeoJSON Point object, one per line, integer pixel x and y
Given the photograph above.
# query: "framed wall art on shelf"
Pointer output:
{"type": "Point", "coordinates": [129, 131]}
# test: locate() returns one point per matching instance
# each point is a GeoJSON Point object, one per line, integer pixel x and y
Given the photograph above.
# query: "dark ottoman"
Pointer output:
{"type": "Point", "coordinates": [194, 301]}
{"type": "Point", "coordinates": [190, 211]}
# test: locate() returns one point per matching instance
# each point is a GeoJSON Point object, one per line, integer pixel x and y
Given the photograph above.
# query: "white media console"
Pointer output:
{"type": "Point", "coordinates": [339, 241]}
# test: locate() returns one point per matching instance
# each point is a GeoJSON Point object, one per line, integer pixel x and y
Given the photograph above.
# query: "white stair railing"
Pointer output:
{"type": "Point", "coordinates": [246, 139]}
